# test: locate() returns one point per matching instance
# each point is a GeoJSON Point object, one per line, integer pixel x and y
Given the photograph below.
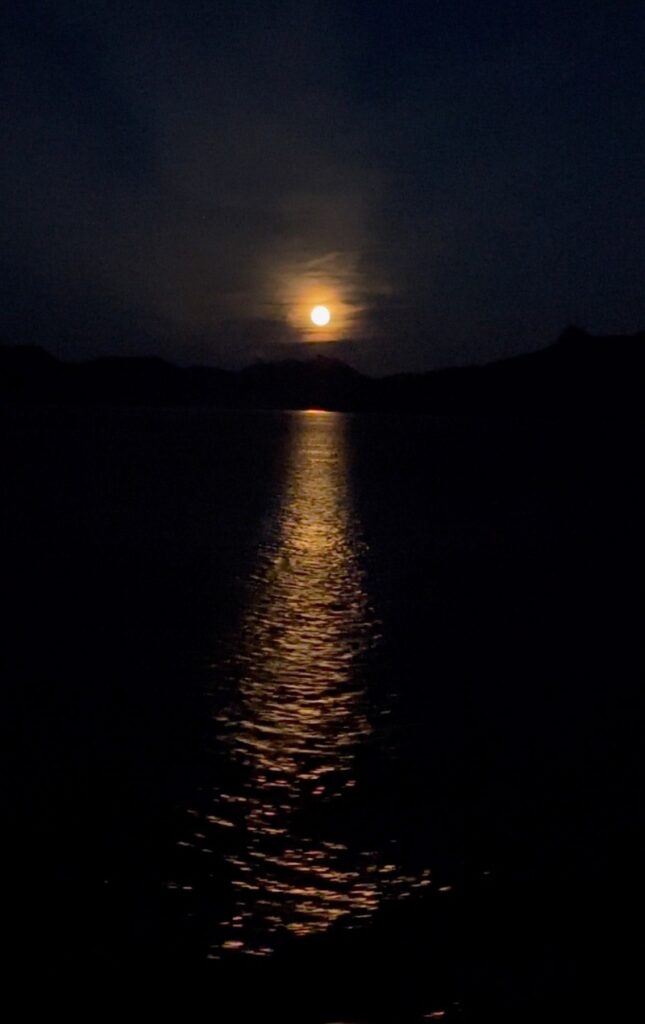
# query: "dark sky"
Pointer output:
{"type": "Point", "coordinates": [456, 180]}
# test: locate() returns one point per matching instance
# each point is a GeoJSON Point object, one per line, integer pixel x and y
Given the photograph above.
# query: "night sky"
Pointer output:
{"type": "Point", "coordinates": [457, 181]}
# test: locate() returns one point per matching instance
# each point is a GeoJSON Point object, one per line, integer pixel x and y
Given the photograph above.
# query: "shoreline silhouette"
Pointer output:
{"type": "Point", "coordinates": [579, 369]}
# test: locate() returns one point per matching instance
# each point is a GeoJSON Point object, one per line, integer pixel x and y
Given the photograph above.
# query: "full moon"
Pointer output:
{"type": "Point", "coordinates": [320, 315]}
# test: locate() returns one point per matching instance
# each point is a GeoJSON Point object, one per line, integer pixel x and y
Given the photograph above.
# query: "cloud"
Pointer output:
{"type": "Point", "coordinates": [193, 177]}
{"type": "Point", "coordinates": [181, 183]}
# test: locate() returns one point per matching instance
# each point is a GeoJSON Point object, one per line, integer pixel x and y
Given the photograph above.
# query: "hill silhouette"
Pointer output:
{"type": "Point", "coordinates": [578, 370]}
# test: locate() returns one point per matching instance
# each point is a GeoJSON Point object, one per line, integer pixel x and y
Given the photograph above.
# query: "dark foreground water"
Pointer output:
{"type": "Point", "coordinates": [323, 717]}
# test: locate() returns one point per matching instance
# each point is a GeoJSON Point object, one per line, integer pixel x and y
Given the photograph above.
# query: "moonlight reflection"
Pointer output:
{"type": "Point", "coordinates": [297, 716]}
{"type": "Point", "coordinates": [300, 713]}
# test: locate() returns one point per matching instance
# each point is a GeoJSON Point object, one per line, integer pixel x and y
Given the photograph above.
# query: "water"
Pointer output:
{"type": "Point", "coordinates": [299, 713]}
{"type": "Point", "coordinates": [299, 710]}
{"type": "Point", "coordinates": [287, 691]}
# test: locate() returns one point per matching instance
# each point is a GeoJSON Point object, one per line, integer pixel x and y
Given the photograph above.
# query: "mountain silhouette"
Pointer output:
{"type": "Point", "coordinates": [579, 370]}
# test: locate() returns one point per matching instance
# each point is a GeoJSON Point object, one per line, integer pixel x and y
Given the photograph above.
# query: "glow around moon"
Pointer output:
{"type": "Point", "coordinates": [303, 292]}
{"type": "Point", "coordinates": [320, 316]}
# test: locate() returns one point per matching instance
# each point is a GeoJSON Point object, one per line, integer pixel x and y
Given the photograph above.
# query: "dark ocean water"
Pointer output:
{"type": "Point", "coordinates": [326, 715]}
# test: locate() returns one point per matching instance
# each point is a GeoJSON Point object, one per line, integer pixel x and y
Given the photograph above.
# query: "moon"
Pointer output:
{"type": "Point", "coordinates": [320, 315]}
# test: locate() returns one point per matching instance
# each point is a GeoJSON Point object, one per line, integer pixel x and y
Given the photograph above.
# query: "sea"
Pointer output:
{"type": "Point", "coordinates": [328, 717]}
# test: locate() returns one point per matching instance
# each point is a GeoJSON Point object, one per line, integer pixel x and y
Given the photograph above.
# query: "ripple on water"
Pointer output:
{"type": "Point", "coordinates": [298, 716]}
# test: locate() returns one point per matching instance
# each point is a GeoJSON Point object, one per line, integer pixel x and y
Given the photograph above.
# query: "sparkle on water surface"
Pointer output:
{"type": "Point", "coordinates": [298, 715]}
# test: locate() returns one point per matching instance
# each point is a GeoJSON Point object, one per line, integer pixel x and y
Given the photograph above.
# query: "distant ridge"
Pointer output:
{"type": "Point", "coordinates": [578, 371]}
